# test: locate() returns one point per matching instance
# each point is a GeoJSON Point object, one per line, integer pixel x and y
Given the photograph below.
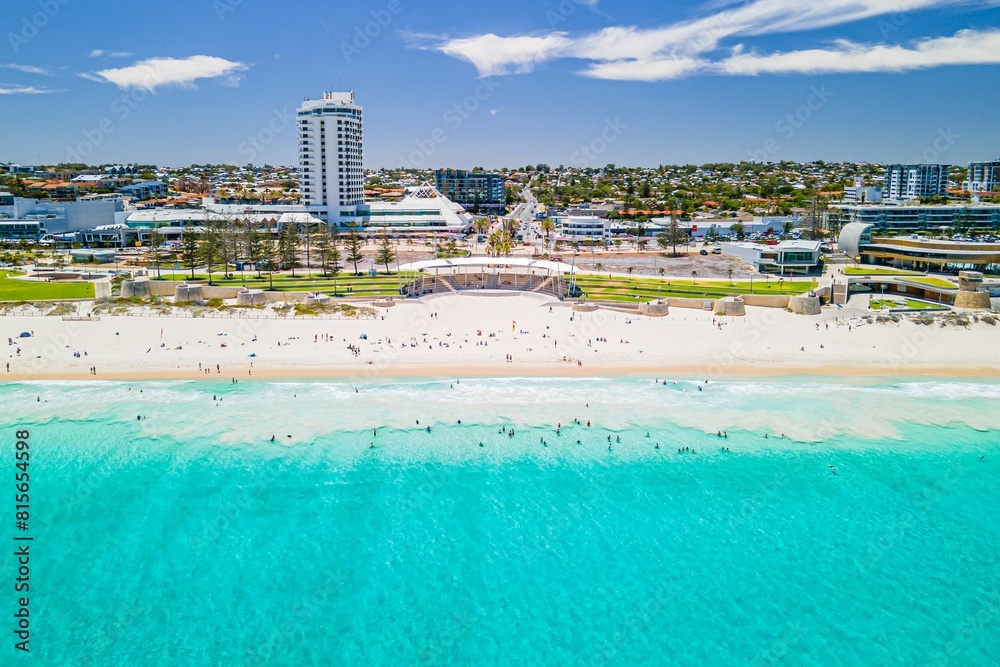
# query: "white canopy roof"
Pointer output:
{"type": "Point", "coordinates": [461, 262]}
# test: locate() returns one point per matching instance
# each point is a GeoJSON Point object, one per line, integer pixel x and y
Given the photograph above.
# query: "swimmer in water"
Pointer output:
{"type": "Point", "coordinates": [480, 444]}
{"type": "Point", "coordinates": [272, 438]}
{"type": "Point", "coordinates": [428, 429]}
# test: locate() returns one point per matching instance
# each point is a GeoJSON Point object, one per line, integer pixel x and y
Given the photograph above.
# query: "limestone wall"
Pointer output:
{"type": "Point", "coordinates": [730, 307]}
{"type": "Point", "coordinates": [766, 300]}
{"type": "Point", "coordinates": [695, 304]}
{"type": "Point", "coordinates": [976, 300]}
{"type": "Point", "coordinates": [188, 293]}
{"type": "Point", "coordinates": [135, 289]}
{"type": "Point", "coordinates": [804, 305]}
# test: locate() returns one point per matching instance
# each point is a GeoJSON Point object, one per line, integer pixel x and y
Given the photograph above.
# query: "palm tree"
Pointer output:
{"type": "Point", "coordinates": [548, 227]}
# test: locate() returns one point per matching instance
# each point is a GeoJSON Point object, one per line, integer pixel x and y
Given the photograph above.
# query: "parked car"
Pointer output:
{"type": "Point", "coordinates": [703, 252]}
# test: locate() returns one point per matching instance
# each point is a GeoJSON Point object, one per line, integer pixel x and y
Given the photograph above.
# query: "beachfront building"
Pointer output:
{"type": "Point", "coordinates": [915, 181]}
{"type": "Point", "coordinates": [477, 192]}
{"type": "Point", "coordinates": [983, 177]}
{"type": "Point", "coordinates": [584, 227]}
{"type": "Point", "coordinates": [423, 210]}
{"type": "Point", "coordinates": [888, 218]}
{"type": "Point", "coordinates": [23, 218]}
{"type": "Point", "coordinates": [785, 258]}
{"type": "Point", "coordinates": [330, 157]}
{"type": "Point", "coordinates": [859, 241]}
{"type": "Point", "coordinates": [524, 274]}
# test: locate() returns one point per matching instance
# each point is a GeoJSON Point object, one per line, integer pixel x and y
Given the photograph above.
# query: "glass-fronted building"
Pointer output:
{"type": "Point", "coordinates": [477, 192]}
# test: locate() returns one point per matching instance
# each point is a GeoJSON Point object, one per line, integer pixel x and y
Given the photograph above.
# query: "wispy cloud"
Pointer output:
{"type": "Point", "coordinates": [159, 72]}
{"type": "Point", "coordinates": [27, 69]}
{"type": "Point", "coordinates": [6, 89]}
{"type": "Point", "coordinates": [684, 48]}
{"type": "Point", "coordinates": [99, 53]}
{"type": "Point", "coordinates": [967, 47]}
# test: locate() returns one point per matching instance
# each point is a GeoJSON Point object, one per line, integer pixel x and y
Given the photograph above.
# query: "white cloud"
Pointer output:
{"type": "Point", "coordinates": [967, 47]}
{"type": "Point", "coordinates": [493, 55]}
{"type": "Point", "coordinates": [24, 90]}
{"type": "Point", "coordinates": [158, 72]}
{"type": "Point", "coordinates": [654, 69]}
{"type": "Point", "coordinates": [27, 69]}
{"type": "Point", "coordinates": [96, 53]}
{"type": "Point", "coordinates": [680, 49]}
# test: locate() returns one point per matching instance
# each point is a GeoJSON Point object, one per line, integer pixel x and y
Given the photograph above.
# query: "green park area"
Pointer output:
{"type": "Point", "coordinates": [342, 285]}
{"type": "Point", "coordinates": [864, 271]}
{"type": "Point", "coordinates": [603, 288]}
{"type": "Point", "coordinates": [23, 290]}
{"type": "Point", "coordinates": [933, 282]}
{"type": "Point", "coordinates": [888, 304]}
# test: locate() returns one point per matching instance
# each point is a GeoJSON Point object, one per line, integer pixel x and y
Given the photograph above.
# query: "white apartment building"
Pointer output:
{"type": "Point", "coordinates": [913, 181]}
{"type": "Point", "coordinates": [330, 157]}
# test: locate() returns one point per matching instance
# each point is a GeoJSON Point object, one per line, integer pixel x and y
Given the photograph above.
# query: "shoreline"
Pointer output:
{"type": "Point", "coordinates": [434, 372]}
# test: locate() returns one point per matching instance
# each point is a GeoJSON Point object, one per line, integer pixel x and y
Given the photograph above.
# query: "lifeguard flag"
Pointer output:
{"type": "Point", "coordinates": [694, 228]}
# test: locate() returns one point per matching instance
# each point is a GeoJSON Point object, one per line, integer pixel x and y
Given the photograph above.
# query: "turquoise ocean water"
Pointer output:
{"type": "Point", "coordinates": [190, 538]}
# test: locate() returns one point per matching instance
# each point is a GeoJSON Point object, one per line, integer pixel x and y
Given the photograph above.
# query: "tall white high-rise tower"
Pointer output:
{"type": "Point", "coordinates": [330, 157]}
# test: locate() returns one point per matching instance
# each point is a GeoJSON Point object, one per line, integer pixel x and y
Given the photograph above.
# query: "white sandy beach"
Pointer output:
{"type": "Point", "coordinates": [471, 334]}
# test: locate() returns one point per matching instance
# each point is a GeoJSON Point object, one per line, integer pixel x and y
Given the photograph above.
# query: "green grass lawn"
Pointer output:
{"type": "Point", "coordinates": [878, 304]}
{"type": "Point", "coordinates": [855, 271]}
{"type": "Point", "coordinates": [934, 282]}
{"type": "Point", "coordinates": [601, 288]}
{"type": "Point", "coordinates": [20, 290]}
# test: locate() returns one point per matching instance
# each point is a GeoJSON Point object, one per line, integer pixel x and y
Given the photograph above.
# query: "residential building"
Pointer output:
{"type": "Point", "coordinates": [145, 190]}
{"type": "Point", "coordinates": [330, 157]}
{"type": "Point", "coordinates": [859, 194]}
{"type": "Point", "coordinates": [478, 192]}
{"type": "Point", "coordinates": [983, 177]}
{"type": "Point", "coordinates": [914, 181]}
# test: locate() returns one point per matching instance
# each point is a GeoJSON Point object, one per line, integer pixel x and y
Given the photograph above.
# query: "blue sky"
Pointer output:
{"type": "Point", "coordinates": [462, 84]}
